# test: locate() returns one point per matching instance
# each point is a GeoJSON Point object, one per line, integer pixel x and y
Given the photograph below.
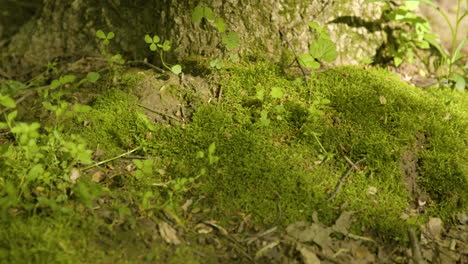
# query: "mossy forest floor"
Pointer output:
{"type": "Point", "coordinates": [245, 164]}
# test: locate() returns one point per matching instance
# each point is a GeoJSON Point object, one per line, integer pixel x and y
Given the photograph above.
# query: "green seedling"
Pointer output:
{"type": "Point", "coordinates": [105, 38]}
{"type": "Point", "coordinates": [322, 49]}
{"type": "Point", "coordinates": [424, 37]}
{"type": "Point", "coordinates": [229, 39]}
{"type": "Point", "coordinates": [155, 45]}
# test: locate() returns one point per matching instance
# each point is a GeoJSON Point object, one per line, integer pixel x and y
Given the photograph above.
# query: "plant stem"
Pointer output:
{"type": "Point", "coordinates": [111, 159]}
{"type": "Point", "coordinates": [162, 60]}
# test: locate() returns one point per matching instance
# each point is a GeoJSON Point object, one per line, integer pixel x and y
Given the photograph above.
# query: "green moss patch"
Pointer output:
{"type": "Point", "coordinates": [272, 148]}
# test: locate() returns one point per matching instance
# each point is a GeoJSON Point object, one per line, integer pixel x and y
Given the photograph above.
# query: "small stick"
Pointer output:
{"type": "Point", "coordinates": [295, 56]}
{"type": "Point", "coordinates": [159, 113]}
{"type": "Point", "coordinates": [108, 160]}
{"type": "Point", "coordinates": [342, 180]}
{"type": "Point", "coordinates": [415, 250]}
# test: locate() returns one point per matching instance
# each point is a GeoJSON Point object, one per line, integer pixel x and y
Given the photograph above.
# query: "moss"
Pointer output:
{"type": "Point", "coordinates": [381, 130]}
{"type": "Point", "coordinates": [281, 172]}
{"type": "Point", "coordinates": [113, 123]}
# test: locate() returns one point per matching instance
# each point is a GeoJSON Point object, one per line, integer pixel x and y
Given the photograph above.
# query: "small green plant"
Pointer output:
{"type": "Point", "coordinates": [114, 59]}
{"type": "Point", "coordinates": [271, 103]}
{"type": "Point", "coordinates": [155, 45]}
{"type": "Point", "coordinates": [40, 160]}
{"type": "Point", "coordinates": [229, 39]}
{"type": "Point", "coordinates": [322, 49]}
{"type": "Point", "coordinates": [422, 37]}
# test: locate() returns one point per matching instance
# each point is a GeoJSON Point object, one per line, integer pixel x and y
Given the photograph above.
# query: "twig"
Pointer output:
{"type": "Point", "coordinates": [295, 56]}
{"type": "Point", "coordinates": [146, 64]}
{"type": "Point", "coordinates": [159, 113]}
{"type": "Point", "coordinates": [343, 179]}
{"type": "Point", "coordinates": [415, 250]}
{"type": "Point", "coordinates": [111, 159]}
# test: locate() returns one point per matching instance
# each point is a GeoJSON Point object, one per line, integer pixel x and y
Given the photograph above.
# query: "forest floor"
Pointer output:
{"type": "Point", "coordinates": [248, 164]}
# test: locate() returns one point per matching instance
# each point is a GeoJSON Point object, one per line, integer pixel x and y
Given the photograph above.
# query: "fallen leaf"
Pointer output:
{"type": "Point", "coordinates": [306, 232]}
{"type": "Point", "coordinates": [308, 256]}
{"type": "Point", "coordinates": [433, 228]}
{"type": "Point", "coordinates": [382, 99]}
{"type": "Point", "coordinates": [98, 176]}
{"type": "Point", "coordinates": [74, 174]}
{"type": "Point", "coordinates": [343, 223]}
{"type": "Point", "coordinates": [203, 228]}
{"type": "Point", "coordinates": [265, 249]}
{"type": "Point", "coordinates": [372, 190]}
{"type": "Point", "coordinates": [168, 233]}
{"type": "Point", "coordinates": [215, 225]}
{"type": "Point", "coordinates": [187, 204]}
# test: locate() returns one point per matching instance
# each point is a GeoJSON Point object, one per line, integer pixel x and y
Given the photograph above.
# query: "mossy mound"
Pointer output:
{"type": "Point", "coordinates": [275, 149]}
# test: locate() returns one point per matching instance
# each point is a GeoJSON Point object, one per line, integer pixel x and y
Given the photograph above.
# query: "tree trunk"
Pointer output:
{"type": "Point", "coordinates": [67, 28]}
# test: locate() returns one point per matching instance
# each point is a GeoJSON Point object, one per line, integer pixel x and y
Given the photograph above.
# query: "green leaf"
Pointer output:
{"type": "Point", "coordinates": [306, 60]}
{"type": "Point", "coordinates": [110, 35]}
{"type": "Point", "coordinates": [79, 108]}
{"type": "Point", "coordinates": [69, 78]}
{"type": "Point", "coordinates": [422, 1]}
{"type": "Point", "coordinates": [148, 39]}
{"type": "Point", "coordinates": [208, 13]}
{"type": "Point", "coordinates": [106, 42]}
{"type": "Point", "coordinates": [276, 92]}
{"type": "Point", "coordinates": [156, 39]}
{"type": "Point", "coordinates": [176, 69]}
{"type": "Point", "coordinates": [153, 47]}
{"type": "Point", "coordinates": [260, 94]}
{"type": "Point", "coordinates": [457, 54]}
{"type": "Point", "coordinates": [231, 40]}
{"type": "Point", "coordinates": [166, 45]}
{"type": "Point", "coordinates": [197, 14]}
{"type": "Point", "coordinates": [212, 148]}
{"type": "Point", "coordinates": [433, 40]}
{"type": "Point", "coordinates": [11, 116]}
{"type": "Point", "coordinates": [264, 121]}
{"type": "Point", "coordinates": [220, 24]}
{"type": "Point", "coordinates": [216, 63]}
{"type": "Point", "coordinates": [7, 101]}
{"type": "Point", "coordinates": [316, 26]}
{"type": "Point", "coordinates": [100, 34]}
{"type": "Point", "coordinates": [397, 60]}
{"type": "Point", "coordinates": [323, 49]}
{"type": "Point", "coordinates": [234, 57]}
{"type": "Point", "coordinates": [92, 77]}
{"type": "Point", "coordinates": [460, 82]}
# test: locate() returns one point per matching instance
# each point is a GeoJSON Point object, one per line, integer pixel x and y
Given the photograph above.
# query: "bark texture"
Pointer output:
{"type": "Point", "coordinates": [67, 28]}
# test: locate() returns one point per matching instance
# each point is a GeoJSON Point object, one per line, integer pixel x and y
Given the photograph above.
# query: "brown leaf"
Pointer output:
{"type": "Point", "coordinates": [98, 176]}
{"type": "Point", "coordinates": [308, 256]}
{"type": "Point", "coordinates": [343, 223]}
{"type": "Point", "coordinates": [168, 233]}
{"type": "Point", "coordinates": [74, 174]}
{"type": "Point", "coordinates": [307, 232]}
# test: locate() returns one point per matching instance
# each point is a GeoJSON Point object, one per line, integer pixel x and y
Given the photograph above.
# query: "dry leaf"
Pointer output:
{"type": "Point", "coordinates": [308, 256]}
{"type": "Point", "coordinates": [187, 204]}
{"type": "Point", "coordinates": [265, 249]}
{"type": "Point", "coordinates": [203, 228]}
{"type": "Point", "coordinates": [343, 223]}
{"type": "Point", "coordinates": [168, 233]}
{"type": "Point", "coordinates": [306, 232]}
{"type": "Point", "coordinates": [382, 99]}
{"type": "Point", "coordinates": [74, 174]}
{"type": "Point", "coordinates": [98, 176]}
{"type": "Point", "coordinates": [433, 228]}
{"type": "Point", "coordinates": [215, 225]}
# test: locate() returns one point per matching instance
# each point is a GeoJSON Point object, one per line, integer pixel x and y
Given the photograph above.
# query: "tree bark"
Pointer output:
{"type": "Point", "coordinates": [67, 28]}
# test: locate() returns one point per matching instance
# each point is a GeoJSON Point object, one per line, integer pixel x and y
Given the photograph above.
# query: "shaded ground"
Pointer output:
{"type": "Point", "coordinates": [238, 166]}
